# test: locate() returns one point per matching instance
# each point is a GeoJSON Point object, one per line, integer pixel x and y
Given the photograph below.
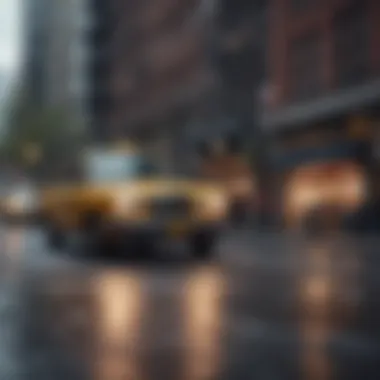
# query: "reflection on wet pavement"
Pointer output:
{"type": "Point", "coordinates": [119, 316]}
{"type": "Point", "coordinates": [203, 314]}
{"type": "Point", "coordinates": [13, 247]}
{"type": "Point", "coordinates": [306, 312]}
{"type": "Point", "coordinates": [315, 315]}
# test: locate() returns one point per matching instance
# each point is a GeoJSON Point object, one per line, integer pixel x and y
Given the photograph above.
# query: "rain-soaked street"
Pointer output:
{"type": "Point", "coordinates": [271, 307]}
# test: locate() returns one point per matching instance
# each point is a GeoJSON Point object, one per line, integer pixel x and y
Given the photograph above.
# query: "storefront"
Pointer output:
{"type": "Point", "coordinates": [322, 182]}
{"type": "Point", "coordinates": [304, 136]}
{"type": "Point", "coordinates": [332, 189]}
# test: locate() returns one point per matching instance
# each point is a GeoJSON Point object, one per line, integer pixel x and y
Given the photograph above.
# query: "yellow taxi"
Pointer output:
{"type": "Point", "coordinates": [126, 204]}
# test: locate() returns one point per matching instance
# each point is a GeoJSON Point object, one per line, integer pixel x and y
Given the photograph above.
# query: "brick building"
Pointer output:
{"type": "Point", "coordinates": [322, 112]}
{"type": "Point", "coordinates": [151, 76]}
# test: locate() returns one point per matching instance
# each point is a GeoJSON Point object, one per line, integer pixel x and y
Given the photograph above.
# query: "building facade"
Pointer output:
{"type": "Point", "coordinates": [99, 92]}
{"type": "Point", "coordinates": [151, 79]}
{"type": "Point", "coordinates": [239, 56]}
{"type": "Point", "coordinates": [55, 67]}
{"type": "Point", "coordinates": [322, 112]}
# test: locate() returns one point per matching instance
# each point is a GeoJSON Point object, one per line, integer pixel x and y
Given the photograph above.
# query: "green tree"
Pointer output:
{"type": "Point", "coordinates": [38, 138]}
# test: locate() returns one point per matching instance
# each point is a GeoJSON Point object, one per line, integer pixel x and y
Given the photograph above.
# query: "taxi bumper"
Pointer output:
{"type": "Point", "coordinates": [147, 236]}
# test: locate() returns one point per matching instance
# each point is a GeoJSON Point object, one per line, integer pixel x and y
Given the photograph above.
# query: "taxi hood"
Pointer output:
{"type": "Point", "coordinates": [156, 187]}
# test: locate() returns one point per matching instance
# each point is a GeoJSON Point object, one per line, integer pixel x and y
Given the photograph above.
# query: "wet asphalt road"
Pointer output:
{"type": "Point", "coordinates": [271, 308]}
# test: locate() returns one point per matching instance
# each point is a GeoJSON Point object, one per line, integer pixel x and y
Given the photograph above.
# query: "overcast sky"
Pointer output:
{"type": "Point", "coordinates": [10, 33]}
{"type": "Point", "coordinates": [10, 50]}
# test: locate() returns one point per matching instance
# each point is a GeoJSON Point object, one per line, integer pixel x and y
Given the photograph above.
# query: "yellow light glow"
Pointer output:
{"type": "Point", "coordinates": [120, 307]}
{"type": "Point", "coordinates": [203, 312]}
{"type": "Point", "coordinates": [316, 185]}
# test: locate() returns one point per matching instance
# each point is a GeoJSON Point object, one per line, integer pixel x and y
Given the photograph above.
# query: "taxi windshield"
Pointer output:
{"type": "Point", "coordinates": [111, 167]}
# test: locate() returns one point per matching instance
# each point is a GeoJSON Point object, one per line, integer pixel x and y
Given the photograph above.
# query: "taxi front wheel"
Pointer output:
{"type": "Point", "coordinates": [98, 240]}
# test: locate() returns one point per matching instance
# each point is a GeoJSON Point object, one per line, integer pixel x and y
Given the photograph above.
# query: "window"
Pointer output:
{"type": "Point", "coordinates": [305, 67]}
{"type": "Point", "coordinates": [351, 41]}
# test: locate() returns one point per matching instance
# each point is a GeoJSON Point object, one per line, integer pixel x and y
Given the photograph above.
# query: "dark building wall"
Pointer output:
{"type": "Point", "coordinates": [99, 39]}
{"type": "Point", "coordinates": [240, 59]}
{"type": "Point", "coordinates": [158, 68]}
{"type": "Point", "coordinates": [316, 47]}
{"type": "Point", "coordinates": [151, 75]}
{"type": "Point", "coordinates": [177, 68]}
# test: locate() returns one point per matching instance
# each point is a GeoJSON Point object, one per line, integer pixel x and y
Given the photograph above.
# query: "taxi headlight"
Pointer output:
{"type": "Point", "coordinates": [125, 203]}
{"type": "Point", "coordinates": [215, 204]}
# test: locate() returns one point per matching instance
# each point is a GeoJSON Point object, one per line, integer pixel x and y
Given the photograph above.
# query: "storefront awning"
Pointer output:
{"type": "Point", "coordinates": [324, 108]}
